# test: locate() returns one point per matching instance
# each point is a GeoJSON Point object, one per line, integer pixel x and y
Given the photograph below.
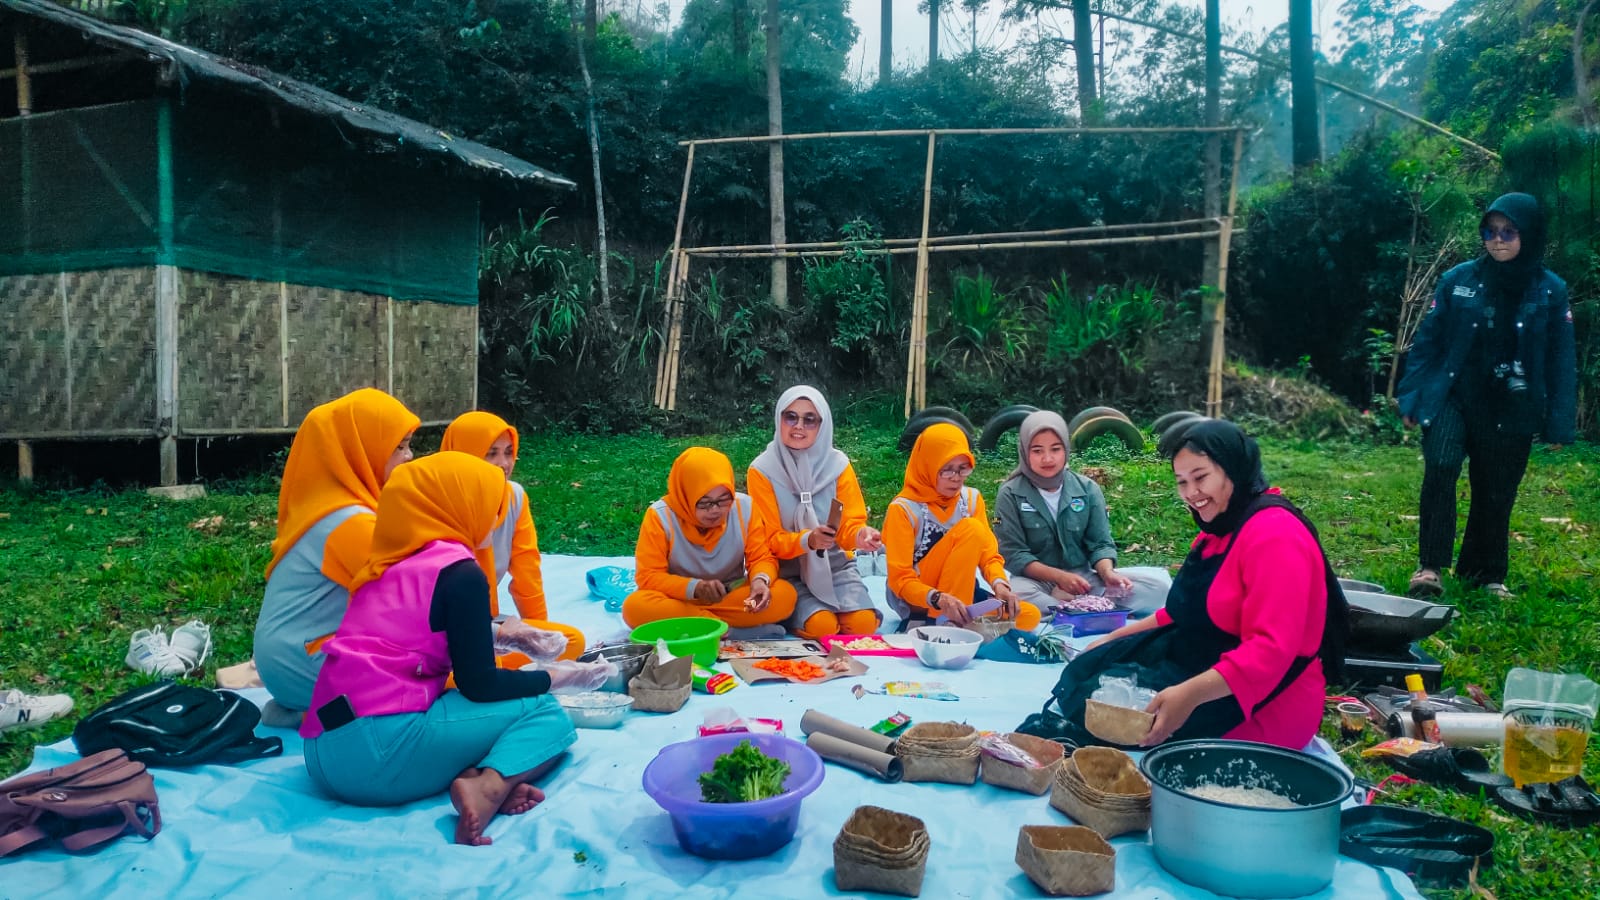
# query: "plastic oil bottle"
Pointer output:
{"type": "Point", "coordinates": [1423, 712]}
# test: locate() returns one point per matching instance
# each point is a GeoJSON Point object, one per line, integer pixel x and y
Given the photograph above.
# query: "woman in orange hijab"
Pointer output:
{"type": "Point", "coordinates": [514, 543]}
{"type": "Point", "coordinates": [937, 534]}
{"type": "Point", "coordinates": [384, 729]}
{"type": "Point", "coordinates": [342, 454]}
{"type": "Point", "coordinates": [702, 552]}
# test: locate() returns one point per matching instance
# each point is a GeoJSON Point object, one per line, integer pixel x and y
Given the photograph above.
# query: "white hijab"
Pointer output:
{"type": "Point", "coordinates": [793, 473]}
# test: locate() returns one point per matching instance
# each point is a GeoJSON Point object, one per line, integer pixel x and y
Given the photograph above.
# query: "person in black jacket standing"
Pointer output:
{"type": "Point", "coordinates": [1492, 365]}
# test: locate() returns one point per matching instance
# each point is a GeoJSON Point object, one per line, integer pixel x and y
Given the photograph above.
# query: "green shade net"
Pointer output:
{"type": "Point", "coordinates": [250, 196]}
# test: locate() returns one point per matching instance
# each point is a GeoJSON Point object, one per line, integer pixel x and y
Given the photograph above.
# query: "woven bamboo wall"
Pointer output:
{"type": "Point", "coordinates": [77, 353]}
{"type": "Point", "coordinates": [435, 358]}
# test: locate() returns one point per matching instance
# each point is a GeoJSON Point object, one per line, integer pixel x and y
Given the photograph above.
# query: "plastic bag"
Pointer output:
{"type": "Point", "coordinates": [612, 584]}
{"type": "Point", "coordinates": [1124, 692]}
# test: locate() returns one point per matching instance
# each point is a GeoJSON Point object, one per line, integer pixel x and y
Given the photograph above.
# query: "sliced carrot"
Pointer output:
{"type": "Point", "coordinates": [797, 669]}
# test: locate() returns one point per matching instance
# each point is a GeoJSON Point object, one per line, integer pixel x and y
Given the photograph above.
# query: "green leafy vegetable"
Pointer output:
{"type": "Point", "coordinates": [743, 774]}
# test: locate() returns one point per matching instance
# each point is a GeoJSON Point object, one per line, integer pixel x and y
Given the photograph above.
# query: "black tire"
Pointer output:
{"type": "Point", "coordinates": [1002, 422]}
{"type": "Point", "coordinates": [1125, 431]}
{"type": "Point", "coordinates": [1162, 423]}
{"type": "Point", "coordinates": [1175, 434]}
{"type": "Point", "coordinates": [1016, 406]}
{"type": "Point", "coordinates": [1093, 412]}
{"type": "Point", "coordinates": [914, 429]}
{"type": "Point", "coordinates": [944, 412]}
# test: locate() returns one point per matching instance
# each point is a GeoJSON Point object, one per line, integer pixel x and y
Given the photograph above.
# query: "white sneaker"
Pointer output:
{"type": "Point", "coordinates": [19, 710]}
{"type": "Point", "coordinates": [150, 653]}
{"type": "Point", "coordinates": [192, 643]}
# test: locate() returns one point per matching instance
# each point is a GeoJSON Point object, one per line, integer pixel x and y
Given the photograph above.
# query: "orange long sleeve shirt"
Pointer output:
{"type": "Point", "coordinates": [790, 544]}
{"type": "Point", "coordinates": [900, 542]}
{"type": "Point", "coordinates": [527, 579]}
{"type": "Point", "coordinates": [654, 549]}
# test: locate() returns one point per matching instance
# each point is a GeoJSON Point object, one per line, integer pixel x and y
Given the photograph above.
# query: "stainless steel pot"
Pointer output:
{"type": "Point", "coordinates": [1243, 851]}
{"type": "Point", "coordinates": [629, 658]}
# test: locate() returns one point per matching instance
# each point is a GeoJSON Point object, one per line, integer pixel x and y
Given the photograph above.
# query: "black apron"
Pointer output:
{"type": "Point", "coordinates": [1191, 644]}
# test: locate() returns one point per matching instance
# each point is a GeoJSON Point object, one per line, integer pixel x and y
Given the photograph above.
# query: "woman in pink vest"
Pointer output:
{"type": "Point", "coordinates": [382, 729]}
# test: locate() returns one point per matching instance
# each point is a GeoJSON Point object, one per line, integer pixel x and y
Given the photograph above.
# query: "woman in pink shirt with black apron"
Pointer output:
{"type": "Point", "coordinates": [1253, 627]}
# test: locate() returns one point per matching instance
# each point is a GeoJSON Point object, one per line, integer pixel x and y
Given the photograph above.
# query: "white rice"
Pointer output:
{"type": "Point", "coordinates": [1241, 796]}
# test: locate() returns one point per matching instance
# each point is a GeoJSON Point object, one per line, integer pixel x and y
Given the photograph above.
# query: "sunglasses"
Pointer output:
{"type": "Point", "coordinates": [810, 421]}
{"type": "Point", "coordinates": [709, 505]}
{"type": "Point", "coordinates": [1506, 235]}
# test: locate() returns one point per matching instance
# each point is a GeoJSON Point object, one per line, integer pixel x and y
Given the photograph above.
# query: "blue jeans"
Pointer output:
{"type": "Point", "coordinates": [395, 759]}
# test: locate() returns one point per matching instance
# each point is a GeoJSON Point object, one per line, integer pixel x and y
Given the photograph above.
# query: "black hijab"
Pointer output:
{"type": "Point", "coordinates": [1239, 457]}
{"type": "Point", "coordinates": [1510, 280]}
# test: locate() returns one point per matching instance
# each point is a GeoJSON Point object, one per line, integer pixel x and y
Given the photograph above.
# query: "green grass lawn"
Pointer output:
{"type": "Point", "coordinates": [85, 568]}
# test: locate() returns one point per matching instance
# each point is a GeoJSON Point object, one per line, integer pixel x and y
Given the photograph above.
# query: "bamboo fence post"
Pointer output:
{"type": "Point", "coordinates": [677, 336]}
{"type": "Point", "coordinates": [679, 260]}
{"type": "Point", "coordinates": [19, 44]}
{"type": "Point", "coordinates": [1220, 300]}
{"type": "Point", "coordinates": [917, 358]}
{"type": "Point", "coordinates": [166, 303]}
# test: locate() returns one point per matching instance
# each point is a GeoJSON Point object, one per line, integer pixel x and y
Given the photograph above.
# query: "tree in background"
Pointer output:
{"type": "Point", "coordinates": [780, 265]}
{"type": "Point", "coordinates": [1303, 85]}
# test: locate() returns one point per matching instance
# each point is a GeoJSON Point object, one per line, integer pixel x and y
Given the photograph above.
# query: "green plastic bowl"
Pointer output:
{"type": "Point", "coordinates": [700, 636]}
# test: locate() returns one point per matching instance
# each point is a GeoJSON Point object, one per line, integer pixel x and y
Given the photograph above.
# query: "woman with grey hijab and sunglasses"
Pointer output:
{"type": "Point", "coordinates": [794, 483]}
{"type": "Point", "coordinates": [1055, 533]}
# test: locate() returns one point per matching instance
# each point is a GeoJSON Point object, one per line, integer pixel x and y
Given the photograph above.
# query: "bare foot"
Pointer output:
{"type": "Point", "coordinates": [522, 798]}
{"type": "Point", "coordinates": [477, 799]}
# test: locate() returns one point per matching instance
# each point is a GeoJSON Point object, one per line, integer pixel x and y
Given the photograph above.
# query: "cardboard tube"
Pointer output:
{"type": "Point", "coordinates": [855, 756]}
{"type": "Point", "coordinates": [814, 722]}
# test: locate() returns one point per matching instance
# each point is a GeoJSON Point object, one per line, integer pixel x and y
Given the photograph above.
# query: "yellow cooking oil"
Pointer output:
{"type": "Point", "coordinates": [1539, 752]}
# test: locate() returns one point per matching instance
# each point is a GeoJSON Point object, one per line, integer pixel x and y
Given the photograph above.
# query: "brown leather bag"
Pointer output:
{"type": "Point", "coordinates": [82, 804]}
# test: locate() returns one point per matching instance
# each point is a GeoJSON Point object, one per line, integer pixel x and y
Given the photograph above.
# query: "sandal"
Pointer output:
{"type": "Point", "coordinates": [1496, 589]}
{"type": "Point", "coordinates": [1425, 583]}
{"type": "Point", "coordinates": [1569, 802]}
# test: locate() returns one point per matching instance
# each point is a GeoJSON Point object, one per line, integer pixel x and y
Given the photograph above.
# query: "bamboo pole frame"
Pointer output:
{"type": "Point", "coordinates": [926, 244]}
{"type": "Point", "coordinates": [1219, 307]}
{"type": "Point", "coordinates": [19, 45]}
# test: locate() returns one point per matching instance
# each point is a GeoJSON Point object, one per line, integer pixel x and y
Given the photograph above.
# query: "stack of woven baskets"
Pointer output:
{"type": "Point", "coordinates": [939, 751]}
{"type": "Point", "coordinates": [1102, 788]}
{"type": "Point", "coordinates": [881, 850]}
{"type": "Point", "coordinates": [1067, 860]}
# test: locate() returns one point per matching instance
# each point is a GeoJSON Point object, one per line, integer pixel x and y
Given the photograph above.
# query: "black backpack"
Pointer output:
{"type": "Point", "coordinates": [170, 724]}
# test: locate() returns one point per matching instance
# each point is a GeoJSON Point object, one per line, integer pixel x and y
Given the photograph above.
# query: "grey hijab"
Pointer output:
{"type": "Point", "coordinates": [815, 472]}
{"type": "Point", "coordinates": [1043, 420]}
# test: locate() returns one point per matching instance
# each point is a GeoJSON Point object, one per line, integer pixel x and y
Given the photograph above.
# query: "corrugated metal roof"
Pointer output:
{"type": "Point", "coordinates": [368, 128]}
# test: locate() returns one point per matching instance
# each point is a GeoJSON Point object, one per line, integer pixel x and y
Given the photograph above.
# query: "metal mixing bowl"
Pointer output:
{"type": "Point", "coordinates": [629, 659]}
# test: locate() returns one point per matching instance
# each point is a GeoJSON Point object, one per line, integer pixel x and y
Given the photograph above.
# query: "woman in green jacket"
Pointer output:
{"type": "Point", "coordinates": [1055, 533]}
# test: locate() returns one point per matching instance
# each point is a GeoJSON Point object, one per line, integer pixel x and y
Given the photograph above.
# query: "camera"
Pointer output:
{"type": "Point", "coordinates": [1515, 380]}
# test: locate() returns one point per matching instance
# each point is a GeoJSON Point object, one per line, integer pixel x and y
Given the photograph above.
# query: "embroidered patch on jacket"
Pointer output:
{"type": "Point", "coordinates": [1076, 504]}
{"type": "Point", "coordinates": [1463, 291]}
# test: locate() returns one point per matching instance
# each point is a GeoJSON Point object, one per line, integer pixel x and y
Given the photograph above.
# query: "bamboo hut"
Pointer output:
{"type": "Point", "coordinates": [192, 247]}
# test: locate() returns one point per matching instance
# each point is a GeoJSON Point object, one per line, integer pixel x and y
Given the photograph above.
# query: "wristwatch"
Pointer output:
{"type": "Point", "coordinates": [933, 600]}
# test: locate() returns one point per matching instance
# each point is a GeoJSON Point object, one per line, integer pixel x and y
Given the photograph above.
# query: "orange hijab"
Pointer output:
{"type": "Point", "coordinates": [939, 445]}
{"type": "Point", "coordinates": [337, 460]}
{"type": "Point", "coordinates": [449, 496]}
{"type": "Point", "coordinates": [475, 432]}
{"type": "Point", "coordinates": [696, 472]}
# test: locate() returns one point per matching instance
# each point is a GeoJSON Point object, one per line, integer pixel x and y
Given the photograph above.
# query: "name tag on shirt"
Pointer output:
{"type": "Point", "coordinates": [1025, 506]}
{"type": "Point", "coordinates": [1463, 291]}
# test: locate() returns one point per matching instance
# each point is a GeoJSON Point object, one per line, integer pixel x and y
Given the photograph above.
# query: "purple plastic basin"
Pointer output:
{"type": "Point", "coordinates": [730, 830]}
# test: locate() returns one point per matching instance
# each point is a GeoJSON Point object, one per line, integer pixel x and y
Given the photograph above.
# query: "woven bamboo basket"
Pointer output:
{"type": "Point", "coordinates": [1116, 724]}
{"type": "Point", "coordinates": [1008, 775]}
{"type": "Point", "coordinates": [656, 700]}
{"type": "Point", "coordinates": [881, 850]}
{"type": "Point", "coordinates": [1066, 860]}
{"type": "Point", "coordinates": [1109, 774]}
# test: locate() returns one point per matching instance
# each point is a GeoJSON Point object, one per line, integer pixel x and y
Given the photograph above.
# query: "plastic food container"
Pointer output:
{"type": "Point", "coordinates": [1092, 622]}
{"type": "Point", "coordinates": [596, 709]}
{"type": "Point", "coordinates": [945, 646]}
{"type": "Point", "coordinates": [696, 635]}
{"type": "Point", "coordinates": [730, 830]}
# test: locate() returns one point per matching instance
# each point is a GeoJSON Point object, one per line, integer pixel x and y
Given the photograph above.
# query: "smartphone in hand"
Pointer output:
{"type": "Point", "coordinates": [835, 515]}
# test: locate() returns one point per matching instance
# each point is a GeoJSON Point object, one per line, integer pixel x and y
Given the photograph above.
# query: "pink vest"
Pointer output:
{"type": "Point", "coordinates": [385, 657]}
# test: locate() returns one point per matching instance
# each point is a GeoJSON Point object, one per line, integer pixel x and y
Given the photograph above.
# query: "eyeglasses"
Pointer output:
{"type": "Point", "coordinates": [1506, 235]}
{"type": "Point", "coordinates": [810, 421]}
{"type": "Point", "coordinates": [709, 505]}
{"type": "Point", "coordinates": [955, 472]}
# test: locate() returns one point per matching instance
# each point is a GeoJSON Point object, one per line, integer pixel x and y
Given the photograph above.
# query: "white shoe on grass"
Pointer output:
{"type": "Point", "coordinates": [19, 710]}
{"type": "Point", "coordinates": [150, 652]}
{"type": "Point", "coordinates": [192, 643]}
